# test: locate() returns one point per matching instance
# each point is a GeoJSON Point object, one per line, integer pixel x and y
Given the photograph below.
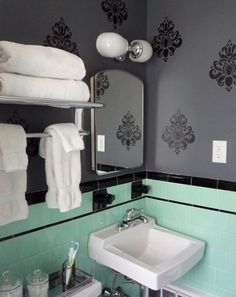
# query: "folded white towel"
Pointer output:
{"type": "Point", "coordinates": [63, 166]}
{"type": "Point", "coordinates": [12, 148]}
{"type": "Point", "coordinates": [13, 206]}
{"type": "Point", "coordinates": [29, 86]}
{"type": "Point", "coordinates": [42, 61]}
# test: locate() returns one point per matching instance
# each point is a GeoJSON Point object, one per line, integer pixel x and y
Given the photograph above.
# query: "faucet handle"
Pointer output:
{"type": "Point", "coordinates": [131, 213]}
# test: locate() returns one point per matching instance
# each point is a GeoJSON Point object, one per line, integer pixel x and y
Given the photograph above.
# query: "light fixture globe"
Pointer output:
{"type": "Point", "coordinates": [111, 45]}
{"type": "Point", "coordinates": [140, 51]}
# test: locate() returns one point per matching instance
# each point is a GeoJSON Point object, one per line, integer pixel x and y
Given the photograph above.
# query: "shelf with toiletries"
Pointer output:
{"type": "Point", "coordinates": [48, 102]}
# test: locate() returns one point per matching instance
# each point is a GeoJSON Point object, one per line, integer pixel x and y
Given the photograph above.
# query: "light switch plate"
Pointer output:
{"type": "Point", "coordinates": [219, 151]}
{"type": "Point", "coordinates": [101, 143]}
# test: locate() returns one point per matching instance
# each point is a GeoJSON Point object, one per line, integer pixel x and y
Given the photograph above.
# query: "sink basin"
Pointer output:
{"type": "Point", "coordinates": [151, 255]}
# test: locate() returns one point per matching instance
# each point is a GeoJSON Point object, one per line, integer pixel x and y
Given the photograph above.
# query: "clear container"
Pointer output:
{"type": "Point", "coordinates": [10, 285]}
{"type": "Point", "coordinates": [37, 284]}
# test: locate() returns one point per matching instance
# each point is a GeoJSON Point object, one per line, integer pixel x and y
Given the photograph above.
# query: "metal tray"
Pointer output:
{"type": "Point", "coordinates": [81, 279]}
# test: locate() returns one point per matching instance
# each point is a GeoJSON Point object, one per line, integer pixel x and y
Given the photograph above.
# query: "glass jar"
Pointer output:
{"type": "Point", "coordinates": [10, 285]}
{"type": "Point", "coordinates": [37, 284]}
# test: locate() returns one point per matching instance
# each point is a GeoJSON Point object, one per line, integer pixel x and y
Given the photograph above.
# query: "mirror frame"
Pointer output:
{"type": "Point", "coordinates": [93, 125]}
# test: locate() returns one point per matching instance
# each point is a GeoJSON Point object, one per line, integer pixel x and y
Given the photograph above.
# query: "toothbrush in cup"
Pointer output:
{"type": "Point", "coordinates": [74, 246]}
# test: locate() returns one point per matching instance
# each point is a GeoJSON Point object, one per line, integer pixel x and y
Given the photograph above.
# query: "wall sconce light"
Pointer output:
{"type": "Point", "coordinates": [113, 45]}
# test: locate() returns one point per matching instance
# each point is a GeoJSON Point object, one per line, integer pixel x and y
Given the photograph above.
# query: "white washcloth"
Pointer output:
{"type": "Point", "coordinates": [29, 86]}
{"type": "Point", "coordinates": [12, 148]}
{"type": "Point", "coordinates": [13, 206]}
{"type": "Point", "coordinates": [61, 152]}
{"type": "Point", "coordinates": [42, 61]}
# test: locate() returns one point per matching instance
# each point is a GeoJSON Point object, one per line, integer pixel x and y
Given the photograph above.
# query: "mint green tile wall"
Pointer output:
{"type": "Point", "coordinates": [216, 273]}
{"type": "Point", "coordinates": [46, 249]}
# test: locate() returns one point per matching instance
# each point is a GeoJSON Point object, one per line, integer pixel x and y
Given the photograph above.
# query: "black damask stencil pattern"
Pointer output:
{"type": "Point", "coordinates": [167, 40]}
{"type": "Point", "coordinates": [116, 11]}
{"type": "Point", "coordinates": [178, 135]}
{"type": "Point", "coordinates": [128, 133]}
{"type": "Point", "coordinates": [61, 38]}
{"type": "Point", "coordinates": [224, 69]}
{"type": "Point", "coordinates": [102, 84]}
{"type": "Point", "coordinates": [32, 148]}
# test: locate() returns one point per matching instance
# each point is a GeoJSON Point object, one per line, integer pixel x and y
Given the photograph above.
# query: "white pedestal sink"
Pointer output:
{"type": "Point", "coordinates": [150, 255]}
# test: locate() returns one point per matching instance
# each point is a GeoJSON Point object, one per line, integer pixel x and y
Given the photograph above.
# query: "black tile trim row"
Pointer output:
{"type": "Point", "coordinates": [65, 221]}
{"type": "Point", "coordinates": [38, 197]}
{"type": "Point", "coordinates": [193, 180]}
{"type": "Point", "coordinates": [192, 205]}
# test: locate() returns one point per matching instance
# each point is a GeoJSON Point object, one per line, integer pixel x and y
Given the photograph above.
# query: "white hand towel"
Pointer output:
{"type": "Point", "coordinates": [63, 166]}
{"type": "Point", "coordinates": [42, 61]}
{"type": "Point", "coordinates": [29, 86]}
{"type": "Point", "coordinates": [13, 206]}
{"type": "Point", "coordinates": [12, 148]}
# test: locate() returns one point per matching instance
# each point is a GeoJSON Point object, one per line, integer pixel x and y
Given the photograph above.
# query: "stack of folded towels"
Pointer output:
{"type": "Point", "coordinates": [41, 72]}
{"type": "Point", "coordinates": [13, 165]}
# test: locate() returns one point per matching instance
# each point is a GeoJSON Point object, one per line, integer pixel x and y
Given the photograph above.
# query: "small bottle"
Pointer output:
{"type": "Point", "coordinates": [37, 284]}
{"type": "Point", "coordinates": [10, 285]}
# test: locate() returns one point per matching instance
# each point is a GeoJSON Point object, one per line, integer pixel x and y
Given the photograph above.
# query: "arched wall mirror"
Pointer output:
{"type": "Point", "coordinates": [117, 129]}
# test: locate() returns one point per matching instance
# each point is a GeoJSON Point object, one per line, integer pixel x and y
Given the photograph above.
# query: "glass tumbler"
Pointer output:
{"type": "Point", "coordinates": [37, 284]}
{"type": "Point", "coordinates": [10, 285]}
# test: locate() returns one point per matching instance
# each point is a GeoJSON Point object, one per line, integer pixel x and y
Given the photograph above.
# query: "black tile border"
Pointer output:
{"type": "Point", "coordinates": [204, 182]}
{"type": "Point", "coordinates": [66, 220]}
{"type": "Point", "coordinates": [157, 175]}
{"type": "Point", "coordinates": [123, 179]}
{"type": "Point", "coordinates": [180, 179]}
{"type": "Point", "coordinates": [227, 185]}
{"type": "Point", "coordinates": [193, 181]}
{"type": "Point", "coordinates": [191, 205]}
{"type": "Point", "coordinates": [39, 197]}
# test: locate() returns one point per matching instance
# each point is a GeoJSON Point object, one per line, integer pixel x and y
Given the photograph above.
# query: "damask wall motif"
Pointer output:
{"type": "Point", "coordinates": [102, 84]}
{"type": "Point", "coordinates": [128, 133]}
{"type": "Point", "coordinates": [224, 69]}
{"type": "Point", "coordinates": [116, 11]}
{"type": "Point", "coordinates": [61, 38]}
{"type": "Point", "coordinates": [178, 135]}
{"type": "Point", "coordinates": [167, 40]}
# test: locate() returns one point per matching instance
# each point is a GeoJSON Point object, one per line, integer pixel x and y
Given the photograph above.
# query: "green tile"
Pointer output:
{"type": "Point", "coordinates": [113, 216]}
{"type": "Point", "coordinates": [231, 263]}
{"type": "Point", "coordinates": [227, 200]}
{"type": "Point", "coordinates": [203, 272]}
{"type": "Point", "coordinates": [157, 188]}
{"type": "Point", "coordinates": [206, 197]}
{"type": "Point", "coordinates": [57, 256]}
{"type": "Point", "coordinates": [99, 220]}
{"type": "Point", "coordinates": [180, 213]}
{"type": "Point", "coordinates": [58, 235]}
{"type": "Point", "coordinates": [84, 225]}
{"type": "Point", "coordinates": [226, 242]}
{"type": "Point", "coordinates": [19, 248]}
{"type": "Point", "coordinates": [119, 192]}
{"type": "Point", "coordinates": [181, 193]}
{"type": "Point", "coordinates": [226, 280]}
{"type": "Point", "coordinates": [216, 258]}
{"type": "Point", "coordinates": [175, 191]}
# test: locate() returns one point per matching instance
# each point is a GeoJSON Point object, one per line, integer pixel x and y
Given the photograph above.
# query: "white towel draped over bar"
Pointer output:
{"type": "Point", "coordinates": [44, 134]}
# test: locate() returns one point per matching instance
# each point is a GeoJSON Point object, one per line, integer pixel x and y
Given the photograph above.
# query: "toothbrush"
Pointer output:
{"type": "Point", "coordinates": [74, 246]}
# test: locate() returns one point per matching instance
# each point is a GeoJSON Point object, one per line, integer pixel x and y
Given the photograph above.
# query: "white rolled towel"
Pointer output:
{"type": "Point", "coordinates": [42, 61]}
{"type": "Point", "coordinates": [29, 86]}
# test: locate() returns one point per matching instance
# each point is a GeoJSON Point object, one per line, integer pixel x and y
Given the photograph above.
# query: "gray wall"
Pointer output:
{"type": "Point", "coordinates": [183, 83]}
{"type": "Point", "coordinates": [31, 21]}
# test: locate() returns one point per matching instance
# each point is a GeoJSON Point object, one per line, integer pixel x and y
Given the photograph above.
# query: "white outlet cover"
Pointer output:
{"type": "Point", "coordinates": [219, 151]}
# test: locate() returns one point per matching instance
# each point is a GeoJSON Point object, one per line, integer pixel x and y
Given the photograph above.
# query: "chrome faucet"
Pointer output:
{"type": "Point", "coordinates": [131, 217]}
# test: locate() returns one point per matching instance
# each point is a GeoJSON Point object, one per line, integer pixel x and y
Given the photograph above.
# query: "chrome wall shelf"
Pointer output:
{"type": "Point", "coordinates": [48, 102]}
